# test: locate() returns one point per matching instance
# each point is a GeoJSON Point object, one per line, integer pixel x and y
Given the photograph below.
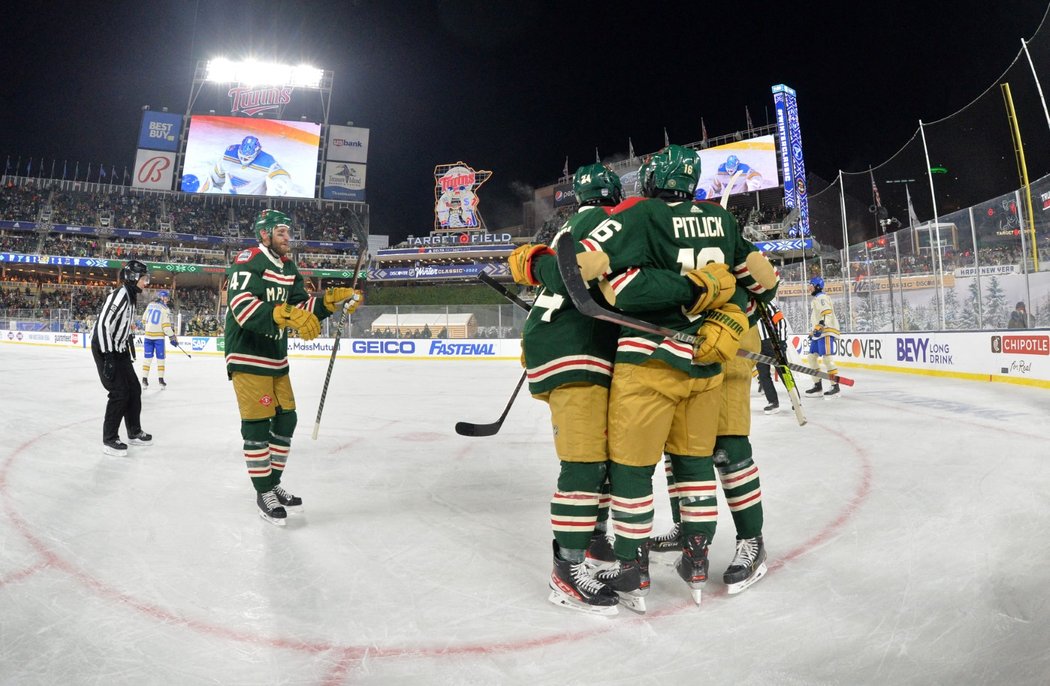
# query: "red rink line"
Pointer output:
{"type": "Point", "coordinates": [348, 655]}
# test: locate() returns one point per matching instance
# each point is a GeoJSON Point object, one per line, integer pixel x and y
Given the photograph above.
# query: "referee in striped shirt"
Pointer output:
{"type": "Point", "coordinates": [113, 348]}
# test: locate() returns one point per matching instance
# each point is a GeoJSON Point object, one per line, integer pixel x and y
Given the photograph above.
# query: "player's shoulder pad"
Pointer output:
{"type": "Point", "coordinates": [232, 150]}
{"type": "Point", "coordinates": [285, 258]}
{"type": "Point", "coordinates": [628, 204]}
{"type": "Point", "coordinates": [264, 159]}
{"type": "Point", "coordinates": [245, 256]}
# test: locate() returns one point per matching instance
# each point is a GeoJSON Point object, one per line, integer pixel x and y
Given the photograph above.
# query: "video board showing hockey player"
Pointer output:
{"type": "Point", "coordinates": [243, 156]}
{"type": "Point", "coordinates": [755, 159]}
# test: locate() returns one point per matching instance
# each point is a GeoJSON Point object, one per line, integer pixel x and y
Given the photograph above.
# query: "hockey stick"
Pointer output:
{"type": "Point", "coordinates": [786, 376]}
{"type": "Point", "coordinates": [504, 291]}
{"type": "Point", "coordinates": [581, 298]}
{"type": "Point", "coordinates": [725, 194]}
{"type": "Point", "coordinates": [469, 429]}
{"type": "Point", "coordinates": [362, 250]}
{"type": "Point", "coordinates": [175, 345]}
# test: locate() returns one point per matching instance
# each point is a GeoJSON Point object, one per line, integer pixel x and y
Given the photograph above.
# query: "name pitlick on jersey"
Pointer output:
{"type": "Point", "coordinates": [698, 227]}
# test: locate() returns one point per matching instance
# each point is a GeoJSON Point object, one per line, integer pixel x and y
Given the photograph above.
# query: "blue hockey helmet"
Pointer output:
{"type": "Point", "coordinates": [249, 149]}
{"type": "Point", "coordinates": [163, 294]}
{"type": "Point", "coordinates": [190, 183]}
{"type": "Point", "coordinates": [732, 162]}
{"type": "Point", "coordinates": [817, 282]}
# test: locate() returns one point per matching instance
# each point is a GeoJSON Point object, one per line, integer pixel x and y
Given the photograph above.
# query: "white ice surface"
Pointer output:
{"type": "Point", "coordinates": [906, 528]}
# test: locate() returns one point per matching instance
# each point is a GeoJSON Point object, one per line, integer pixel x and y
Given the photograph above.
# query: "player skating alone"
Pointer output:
{"type": "Point", "coordinates": [246, 169]}
{"type": "Point", "coordinates": [824, 337]}
{"type": "Point", "coordinates": [750, 179]}
{"type": "Point", "coordinates": [113, 348]}
{"type": "Point", "coordinates": [569, 359]}
{"type": "Point", "coordinates": [157, 323]}
{"type": "Point", "coordinates": [266, 296]}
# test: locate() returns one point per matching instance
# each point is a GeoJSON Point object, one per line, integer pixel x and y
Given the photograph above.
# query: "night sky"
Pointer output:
{"type": "Point", "coordinates": [511, 87]}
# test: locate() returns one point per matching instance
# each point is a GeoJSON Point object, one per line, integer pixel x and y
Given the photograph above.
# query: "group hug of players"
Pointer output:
{"type": "Point", "coordinates": [622, 401]}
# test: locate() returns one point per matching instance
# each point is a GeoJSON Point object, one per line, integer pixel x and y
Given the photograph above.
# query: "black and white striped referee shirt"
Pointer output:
{"type": "Point", "coordinates": [113, 327]}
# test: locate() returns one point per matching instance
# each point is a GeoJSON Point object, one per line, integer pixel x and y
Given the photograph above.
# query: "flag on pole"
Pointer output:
{"type": "Point", "coordinates": [565, 169]}
{"type": "Point", "coordinates": [597, 159]}
{"type": "Point", "coordinates": [29, 166]}
{"type": "Point", "coordinates": [874, 190]}
{"type": "Point", "coordinates": [7, 164]}
{"type": "Point", "coordinates": [112, 172]}
{"type": "Point", "coordinates": [87, 176]}
{"type": "Point", "coordinates": [101, 172]}
{"type": "Point", "coordinates": [747, 113]}
{"type": "Point", "coordinates": [76, 171]}
{"type": "Point", "coordinates": [65, 166]}
{"type": "Point", "coordinates": [125, 174]}
{"type": "Point", "coordinates": [667, 141]}
{"type": "Point", "coordinates": [703, 132]}
{"type": "Point", "coordinates": [630, 149]}
{"type": "Point", "coordinates": [913, 218]}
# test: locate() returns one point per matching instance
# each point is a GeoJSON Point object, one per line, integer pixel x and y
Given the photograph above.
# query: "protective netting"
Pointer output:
{"type": "Point", "coordinates": [957, 253]}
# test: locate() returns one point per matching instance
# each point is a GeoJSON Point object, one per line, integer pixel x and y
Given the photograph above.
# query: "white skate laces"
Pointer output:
{"type": "Point", "coordinates": [584, 580]}
{"type": "Point", "coordinates": [746, 552]}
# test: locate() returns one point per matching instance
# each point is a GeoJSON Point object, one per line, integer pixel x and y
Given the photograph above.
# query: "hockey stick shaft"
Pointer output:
{"type": "Point", "coordinates": [182, 351]}
{"type": "Point", "coordinates": [504, 291]}
{"type": "Point", "coordinates": [362, 249]}
{"type": "Point", "coordinates": [583, 301]}
{"type": "Point", "coordinates": [786, 377]}
{"type": "Point", "coordinates": [470, 429]}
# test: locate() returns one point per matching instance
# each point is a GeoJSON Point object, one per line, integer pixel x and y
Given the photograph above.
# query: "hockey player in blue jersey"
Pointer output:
{"type": "Point", "coordinates": [250, 171]}
{"type": "Point", "coordinates": [749, 180]}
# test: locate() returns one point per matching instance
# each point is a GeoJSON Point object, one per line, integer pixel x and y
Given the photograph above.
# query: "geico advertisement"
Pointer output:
{"type": "Point", "coordinates": [436, 348]}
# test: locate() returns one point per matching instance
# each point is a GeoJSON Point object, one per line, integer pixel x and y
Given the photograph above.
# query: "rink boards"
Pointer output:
{"type": "Point", "coordinates": [1010, 356]}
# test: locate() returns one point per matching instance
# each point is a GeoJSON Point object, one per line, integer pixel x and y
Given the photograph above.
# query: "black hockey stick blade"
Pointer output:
{"type": "Point", "coordinates": [786, 377]}
{"type": "Point", "coordinates": [581, 298]}
{"type": "Point", "coordinates": [485, 278]}
{"type": "Point", "coordinates": [470, 429]}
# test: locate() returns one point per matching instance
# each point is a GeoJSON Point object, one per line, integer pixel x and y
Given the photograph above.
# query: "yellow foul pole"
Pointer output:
{"type": "Point", "coordinates": [1022, 168]}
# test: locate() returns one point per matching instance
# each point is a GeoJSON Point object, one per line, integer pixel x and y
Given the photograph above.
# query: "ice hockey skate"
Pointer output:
{"type": "Point", "coordinates": [291, 503]}
{"type": "Point", "coordinates": [692, 565]}
{"type": "Point", "coordinates": [833, 391]}
{"type": "Point", "coordinates": [115, 447]}
{"type": "Point", "coordinates": [772, 408]}
{"type": "Point", "coordinates": [270, 508]}
{"type": "Point", "coordinates": [600, 553]}
{"type": "Point", "coordinates": [748, 565]}
{"type": "Point", "coordinates": [163, 384]}
{"type": "Point", "coordinates": [141, 438]}
{"type": "Point", "coordinates": [817, 389]}
{"type": "Point", "coordinates": [573, 587]}
{"type": "Point", "coordinates": [145, 383]}
{"type": "Point", "coordinates": [667, 542]}
{"type": "Point", "coordinates": [630, 580]}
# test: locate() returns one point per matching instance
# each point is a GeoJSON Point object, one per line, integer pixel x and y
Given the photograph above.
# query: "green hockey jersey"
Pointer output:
{"type": "Point", "coordinates": [561, 345]}
{"type": "Point", "coordinates": [647, 238]}
{"type": "Point", "coordinates": [258, 282]}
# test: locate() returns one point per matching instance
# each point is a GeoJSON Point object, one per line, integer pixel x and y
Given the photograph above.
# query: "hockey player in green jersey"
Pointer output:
{"type": "Point", "coordinates": [569, 360]}
{"type": "Point", "coordinates": [266, 296]}
{"type": "Point", "coordinates": [665, 394]}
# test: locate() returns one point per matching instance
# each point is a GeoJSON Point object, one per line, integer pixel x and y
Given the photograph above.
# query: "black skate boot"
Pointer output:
{"type": "Point", "coordinates": [834, 390]}
{"type": "Point", "coordinates": [287, 499]}
{"type": "Point", "coordinates": [772, 408]}
{"type": "Point", "coordinates": [667, 542]}
{"type": "Point", "coordinates": [816, 390]}
{"type": "Point", "coordinates": [270, 508]}
{"type": "Point", "coordinates": [600, 553]}
{"type": "Point", "coordinates": [115, 447]}
{"type": "Point", "coordinates": [630, 580]}
{"type": "Point", "coordinates": [748, 565]}
{"type": "Point", "coordinates": [572, 586]}
{"type": "Point", "coordinates": [140, 437]}
{"type": "Point", "coordinates": [145, 383]}
{"type": "Point", "coordinates": [692, 565]}
{"type": "Point", "coordinates": [162, 383]}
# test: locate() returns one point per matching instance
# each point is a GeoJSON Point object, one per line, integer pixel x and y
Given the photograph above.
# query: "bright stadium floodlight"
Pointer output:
{"type": "Point", "coordinates": [252, 72]}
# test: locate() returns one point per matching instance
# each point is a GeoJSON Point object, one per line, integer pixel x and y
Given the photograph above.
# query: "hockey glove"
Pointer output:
{"type": "Point", "coordinates": [593, 264]}
{"type": "Point", "coordinates": [305, 322]}
{"type": "Point", "coordinates": [109, 366]}
{"type": "Point", "coordinates": [174, 341]}
{"type": "Point", "coordinates": [520, 262]}
{"type": "Point", "coordinates": [818, 331]}
{"type": "Point", "coordinates": [333, 297]}
{"type": "Point", "coordinates": [719, 336]}
{"type": "Point", "coordinates": [716, 284]}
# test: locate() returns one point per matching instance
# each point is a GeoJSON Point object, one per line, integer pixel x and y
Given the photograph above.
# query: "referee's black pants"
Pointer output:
{"type": "Point", "coordinates": [125, 395]}
{"type": "Point", "coordinates": [765, 379]}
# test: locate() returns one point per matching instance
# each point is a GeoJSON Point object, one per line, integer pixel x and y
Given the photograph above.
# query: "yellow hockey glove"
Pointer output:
{"type": "Point", "coordinates": [719, 336]}
{"type": "Point", "coordinates": [717, 285]}
{"type": "Point", "coordinates": [520, 262]}
{"type": "Point", "coordinates": [593, 264]}
{"type": "Point", "coordinates": [333, 297]}
{"type": "Point", "coordinates": [304, 322]}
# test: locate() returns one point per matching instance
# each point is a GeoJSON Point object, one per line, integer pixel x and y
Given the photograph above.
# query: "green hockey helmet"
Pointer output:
{"type": "Point", "coordinates": [268, 220]}
{"type": "Point", "coordinates": [596, 184]}
{"type": "Point", "coordinates": [675, 170]}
